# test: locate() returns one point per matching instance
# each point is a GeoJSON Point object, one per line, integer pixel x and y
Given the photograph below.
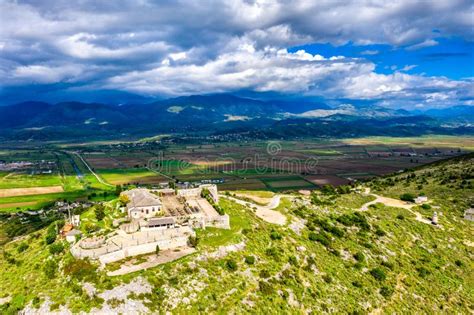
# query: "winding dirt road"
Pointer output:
{"type": "Point", "coordinates": [265, 213]}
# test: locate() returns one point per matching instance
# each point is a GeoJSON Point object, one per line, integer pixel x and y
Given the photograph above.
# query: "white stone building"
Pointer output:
{"type": "Point", "coordinates": [142, 204]}
{"type": "Point", "coordinates": [421, 199]}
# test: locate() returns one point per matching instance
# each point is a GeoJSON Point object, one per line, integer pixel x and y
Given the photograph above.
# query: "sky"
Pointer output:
{"type": "Point", "coordinates": [400, 54]}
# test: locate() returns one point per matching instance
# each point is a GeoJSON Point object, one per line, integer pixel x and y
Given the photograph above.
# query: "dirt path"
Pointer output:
{"type": "Point", "coordinates": [93, 173]}
{"type": "Point", "coordinates": [390, 202]}
{"type": "Point", "coordinates": [152, 261]}
{"type": "Point", "coordinates": [266, 213]}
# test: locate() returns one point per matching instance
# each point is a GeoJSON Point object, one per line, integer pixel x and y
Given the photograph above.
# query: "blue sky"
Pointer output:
{"type": "Point", "coordinates": [403, 54]}
{"type": "Point", "coordinates": [449, 57]}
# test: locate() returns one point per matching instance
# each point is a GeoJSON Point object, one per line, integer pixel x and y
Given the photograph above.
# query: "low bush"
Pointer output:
{"type": "Point", "coordinates": [250, 260]}
{"type": "Point", "coordinates": [321, 238]}
{"type": "Point", "coordinates": [293, 260]}
{"type": "Point", "coordinates": [274, 235]}
{"type": "Point", "coordinates": [407, 197]}
{"type": "Point", "coordinates": [378, 274]}
{"type": "Point", "coordinates": [50, 268]}
{"type": "Point", "coordinates": [423, 272]}
{"type": "Point", "coordinates": [359, 257]}
{"type": "Point", "coordinates": [193, 241]}
{"type": "Point", "coordinates": [265, 287]}
{"type": "Point", "coordinates": [387, 264]}
{"type": "Point", "coordinates": [56, 248]}
{"type": "Point", "coordinates": [273, 252]}
{"type": "Point", "coordinates": [231, 265]}
{"type": "Point", "coordinates": [327, 278]}
{"type": "Point", "coordinates": [22, 247]}
{"type": "Point", "coordinates": [264, 273]}
{"type": "Point", "coordinates": [386, 292]}
{"type": "Point", "coordinates": [380, 232]}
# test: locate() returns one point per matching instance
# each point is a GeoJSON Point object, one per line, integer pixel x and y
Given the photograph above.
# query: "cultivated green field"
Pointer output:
{"type": "Point", "coordinates": [231, 162]}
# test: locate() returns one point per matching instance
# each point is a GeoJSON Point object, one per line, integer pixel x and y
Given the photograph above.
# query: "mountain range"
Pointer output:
{"type": "Point", "coordinates": [224, 113]}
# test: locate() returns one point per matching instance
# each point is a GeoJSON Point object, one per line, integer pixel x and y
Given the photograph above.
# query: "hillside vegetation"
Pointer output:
{"type": "Point", "coordinates": [330, 257]}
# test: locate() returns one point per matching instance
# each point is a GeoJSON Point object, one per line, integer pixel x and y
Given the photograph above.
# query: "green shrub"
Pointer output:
{"type": "Point", "coordinates": [407, 197]}
{"type": "Point", "coordinates": [321, 238]}
{"type": "Point", "coordinates": [380, 232]}
{"type": "Point", "coordinates": [400, 217]}
{"type": "Point", "coordinates": [426, 206]}
{"type": "Point", "coordinates": [355, 219]}
{"type": "Point", "coordinates": [458, 263]}
{"type": "Point", "coordinates": [387, 264]}
{"type": "Point", "coordinates": [56, 248]}
{"type": "Point", "coordinates": [327, 278]}
{"type": "Point", "coordinates": [357, 284]}
{"type": "Point", "coordinates": [50, 267]}
{"type": "Point", "coordinates": [265, 287]}
{"type": "Point", "coordinates": [359, 257]}
{"type": "Point", "coordinates": [250, 260]}
{"type": "Point", "coordinates": [22, 247]}
{"type": "Point", "coordinates": [378, 274]}
{"type": "Point", "coordinates": [264, 273]}
{"type": "Point", "coordinates": [193, 241]}
{"type": "Point", "coordinates": [273, 252]}
{"type": "Point", "coordinates": [386, 292]}
{"type": "Point", "coordinates": [423, 272]}
{"type": "Point", "coordinates": [274, 235]}
{"type": "Point", "coordinates": [293, 260]}
{"type": "Point", "coordinates": [231, 265]}
{"type": "Point", "coordinates": [99, 212]}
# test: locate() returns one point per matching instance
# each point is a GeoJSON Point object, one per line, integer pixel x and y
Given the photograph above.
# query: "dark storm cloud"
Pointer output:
{"type": "Point", "coordinates": [182, 47]}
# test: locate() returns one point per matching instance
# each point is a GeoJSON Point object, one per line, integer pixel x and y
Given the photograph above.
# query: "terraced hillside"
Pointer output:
{"type": "Point", "coordinates": [341, 251]}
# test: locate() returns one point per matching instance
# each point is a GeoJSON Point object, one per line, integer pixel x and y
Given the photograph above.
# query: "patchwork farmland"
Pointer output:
{"type": "Point", "coordinates": [57, 173]}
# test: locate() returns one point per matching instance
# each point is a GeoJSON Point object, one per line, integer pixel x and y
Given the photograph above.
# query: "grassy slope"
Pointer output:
{"type": "Point", "coordinates": [428, 270]}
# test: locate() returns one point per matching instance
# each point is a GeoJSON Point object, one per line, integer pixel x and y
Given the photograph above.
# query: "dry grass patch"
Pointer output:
{"type": "Point", "coordinates": [13, 192]}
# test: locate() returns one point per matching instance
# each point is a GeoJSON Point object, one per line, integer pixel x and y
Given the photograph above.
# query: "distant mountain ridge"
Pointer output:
{"type": "Point", "coordinates": [205, 113]}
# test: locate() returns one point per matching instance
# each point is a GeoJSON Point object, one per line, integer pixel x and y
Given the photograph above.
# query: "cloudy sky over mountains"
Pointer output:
{"type": "Point", "coordinates": [412, 54]}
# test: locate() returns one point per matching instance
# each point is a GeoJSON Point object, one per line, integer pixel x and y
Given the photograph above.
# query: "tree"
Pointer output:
{"type": "Point", "coordinates": [157, 249]}
{"type": "Point", "coordinates": [407, 197]}
{"type": "Point", "coordinates": [51, 234]}
{"type": "Point", "coordinates": [118, 190]}
{"type": "Point", "coordinates": [328, 189]}
{"type": "Point", "coordinates": [99, 212]}
{"type": "Point", "coordinates": [124, 199]}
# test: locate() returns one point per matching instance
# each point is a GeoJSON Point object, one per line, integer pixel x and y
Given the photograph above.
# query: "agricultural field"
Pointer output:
{"type": "Point", "coordinates": [259, 165]}
{"type": "Point", "coordinates": [10, 180]}
{"type": "Point", "coordinates": [131, 176]}
{"type": "Point", "coordinates": [287, 183]}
